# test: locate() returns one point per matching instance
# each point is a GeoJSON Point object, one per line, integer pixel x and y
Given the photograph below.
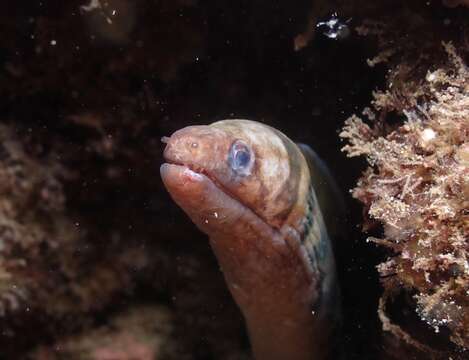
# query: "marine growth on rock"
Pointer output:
{"type": "Point", "coordinates": [417, 188]}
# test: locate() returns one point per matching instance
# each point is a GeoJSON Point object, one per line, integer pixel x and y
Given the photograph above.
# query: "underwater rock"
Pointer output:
{"type": "Point", "coordinates": [140, 333]}
{"type": "Point", "coordinates": [417, 182]}
{"type": "Point", "coordinates": [50, 264]}
{"type": "Point", "coordinates": [454, 3]}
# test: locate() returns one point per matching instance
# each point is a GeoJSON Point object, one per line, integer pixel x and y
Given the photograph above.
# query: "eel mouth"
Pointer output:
{"type": "Point", "coordinates": [197, 172]}
{"type": "Point", "coordinates": [200, 171]}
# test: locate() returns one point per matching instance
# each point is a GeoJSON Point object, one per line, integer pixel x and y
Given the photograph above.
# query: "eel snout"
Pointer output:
{"type": "Point", "coordinates": [198, 147]}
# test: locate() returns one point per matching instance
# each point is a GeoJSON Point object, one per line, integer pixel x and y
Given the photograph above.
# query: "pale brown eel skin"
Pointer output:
{"type": "Point", "coordinates": [253, 192]}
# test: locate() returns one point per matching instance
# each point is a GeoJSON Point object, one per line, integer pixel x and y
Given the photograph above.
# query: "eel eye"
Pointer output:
{"type": "Point", "coordinates": [240, 158]}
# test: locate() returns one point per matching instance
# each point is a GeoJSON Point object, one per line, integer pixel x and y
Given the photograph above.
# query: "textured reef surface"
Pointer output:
{"type": "Point", "coordinates": [415, 137]}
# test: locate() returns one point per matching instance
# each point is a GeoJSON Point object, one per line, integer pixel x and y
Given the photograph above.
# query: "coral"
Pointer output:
{"type": "Point", "coordinates": [417, 187]}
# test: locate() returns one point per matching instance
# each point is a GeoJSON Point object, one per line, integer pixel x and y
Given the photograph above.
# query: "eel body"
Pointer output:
{"type": "Point", "coordinates": [254, 192]}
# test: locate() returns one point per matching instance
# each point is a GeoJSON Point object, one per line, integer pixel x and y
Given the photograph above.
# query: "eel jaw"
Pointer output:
{"type": "Point", "coordinates": [220, 215]}
{"type": "Point", "coordinates": [209, 206]}
{"type": "Point", "coordinates": [178, 177]}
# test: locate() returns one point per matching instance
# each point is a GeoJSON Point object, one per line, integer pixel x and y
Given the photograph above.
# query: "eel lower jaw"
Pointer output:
{"type": "Point", "coordinates": [195, 172]}
{"type": "Point", "coordinates": [198, 173]}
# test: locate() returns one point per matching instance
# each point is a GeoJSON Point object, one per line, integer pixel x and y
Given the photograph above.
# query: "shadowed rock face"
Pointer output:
{"type": "Point", "coordinates": [141, 332]}
{"type": "Point", "coordinates": [49, 262]}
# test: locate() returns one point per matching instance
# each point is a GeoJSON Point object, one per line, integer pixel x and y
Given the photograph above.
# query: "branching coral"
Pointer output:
{"type": "Point", "coordinates": [417, 187]}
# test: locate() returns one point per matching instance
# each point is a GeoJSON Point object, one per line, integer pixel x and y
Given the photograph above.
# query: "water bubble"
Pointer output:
{"type": "Point", "coordinates": [334, 28]}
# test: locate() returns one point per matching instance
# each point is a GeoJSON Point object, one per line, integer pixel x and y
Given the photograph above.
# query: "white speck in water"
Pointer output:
{"type": "Point", "coordinates": [215, 215]}
{"type": "Point", "coordinates": [313, 312]}
{"type": "Point", "coordinates": [206, 221]}
{"type": "Point", "coordinates": [194, 145]}
{"type": "Point", "coordinates": [428, 134]}
{"type": "Point", "coordinates": [53, 42]}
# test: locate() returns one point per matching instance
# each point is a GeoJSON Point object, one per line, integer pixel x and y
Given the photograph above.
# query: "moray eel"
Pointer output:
{"type": "Point", "coordinates": [261, 199]}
